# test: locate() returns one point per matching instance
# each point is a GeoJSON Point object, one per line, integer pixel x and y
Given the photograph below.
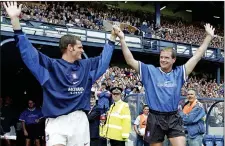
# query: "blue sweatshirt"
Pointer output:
{"type": "Point", "coordinates": [66, 86]}
{"type": "Point", "coordinates": [29, 116]}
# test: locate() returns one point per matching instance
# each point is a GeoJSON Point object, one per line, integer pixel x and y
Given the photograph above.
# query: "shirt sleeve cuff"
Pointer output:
{"type": "Point", "coordinates": [17, 32]}
{"type": "Point", "coordinates": [111, 42]}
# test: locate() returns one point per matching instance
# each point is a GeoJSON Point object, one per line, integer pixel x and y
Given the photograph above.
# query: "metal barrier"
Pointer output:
{"type": "Point", "coordinates": [213, 126]}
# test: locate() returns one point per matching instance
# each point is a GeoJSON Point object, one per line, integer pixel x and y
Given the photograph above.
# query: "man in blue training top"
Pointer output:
{"type": "Point", "coordinates": [163, 86]}
{"type": "Point", "coordinates": [30, 119]}
{"type": "Point", "coordinates": [66, 82]}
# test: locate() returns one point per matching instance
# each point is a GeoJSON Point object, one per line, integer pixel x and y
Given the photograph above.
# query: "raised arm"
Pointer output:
{"type": "Point", "coordinates": [191, 63]}
{"type": "Point", "coordinates": [35, 61]}
{"type": "Point", "coordinates": [14, 12]}
{"type": "Point", "coordinates": [100, 64]}
{"type": "Point", "coordinates": [127, 53]}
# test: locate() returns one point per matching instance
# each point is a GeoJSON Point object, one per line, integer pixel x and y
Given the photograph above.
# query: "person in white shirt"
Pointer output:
{"type": "Point", "coordinates": [140, 125]}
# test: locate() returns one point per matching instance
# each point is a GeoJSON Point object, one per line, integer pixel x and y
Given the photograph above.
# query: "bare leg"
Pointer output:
{"type": "Point", "coordinates": [156, 144]}
{"type": "Point", "coordinates": [8, 142]}
{"type": "Point", "coordinates": [178, 141]}
{"type": "Point", "coordinates": [27, 142]}
{"type": "Point", "coordinates": [37, 142]}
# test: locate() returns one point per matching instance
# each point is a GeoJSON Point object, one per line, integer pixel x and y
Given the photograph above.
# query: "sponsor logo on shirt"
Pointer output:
{"type": "Point", "coordinates": [75, 82]}
{"type": "Point", "coordinates": [75, 90]}
{"type": "Point", "coordinates": [74, 76]}
{"type": "Point", "coordinates": [32, 116]}
{"type": "Point", "coordinates": [168, 84]}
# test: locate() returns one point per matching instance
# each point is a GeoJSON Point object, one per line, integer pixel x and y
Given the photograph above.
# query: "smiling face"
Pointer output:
{"type": "Point", "coordinates": [167, 60]}
{"type": "Point", "coordinates": [146, 110]}
{"type": "Point", "coordinates": [72, 46]}
{"type": "Point", "coordinates": [76, 51]}
{"type": "Point", "coordinates": [191, 96]}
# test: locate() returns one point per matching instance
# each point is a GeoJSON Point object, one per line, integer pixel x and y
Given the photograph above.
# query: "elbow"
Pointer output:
{"type": "Point", "coordinates": [189, 121]}
{"type": "Point", "coordinates": [186, 122]}
{"type": "Point", "coordinates": [130, 62]}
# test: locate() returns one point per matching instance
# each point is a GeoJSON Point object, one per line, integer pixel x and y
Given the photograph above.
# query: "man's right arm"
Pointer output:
{"type": "Point", "coordinates": [136, 123]}
{"type": "Point", "coordinates": [194, 116]}
{"type": "Point", "coordinates": [32, 58]}
{"type": "Point", "coordinates": [29, 54]}
{"type": "Point", "coordinates": [128, 56]}
{"type": "Point", "coordinates": [93, 115]}
{"type": "Point", "coordinates": [22, 118]}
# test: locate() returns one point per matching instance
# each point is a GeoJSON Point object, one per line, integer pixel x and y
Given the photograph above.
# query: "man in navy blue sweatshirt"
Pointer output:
{"type": "Point", "coordinates": [66, 82]}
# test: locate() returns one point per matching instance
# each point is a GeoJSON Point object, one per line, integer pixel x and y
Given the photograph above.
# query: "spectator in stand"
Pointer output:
{"type": "Point", "coordinates": [140, 126]}
{"type": "Point", "coordinates": [193, 115]}
{"type": "Point", "coordinates": [92, 18]}
{"type": "Point", "coordinates": [103, 98]}
{"type": "Point", "coordinates": [135, 90]}
{"type": "Point", "coordinates": [94, 120]}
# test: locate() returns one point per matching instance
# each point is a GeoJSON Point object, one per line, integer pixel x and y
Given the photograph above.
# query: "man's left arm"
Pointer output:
{"type": "Point", "coordinates": [194, 116]}
{"type": "Point", "coordinates": [192, 62]}
{"type": "Point", "coordinates": [126, 122]}
{"type": "Point", "coordinates": [100, 64]}
{"type": "Point", "coordinates": [93, 115]}
{"type": "Point", "coordinates": [40, 114]}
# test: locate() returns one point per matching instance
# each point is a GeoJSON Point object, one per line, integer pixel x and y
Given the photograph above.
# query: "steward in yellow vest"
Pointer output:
{"type": "Point", "coordinates": [118, 124]}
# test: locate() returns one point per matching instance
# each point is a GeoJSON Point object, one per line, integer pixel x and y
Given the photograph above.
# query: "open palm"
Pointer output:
{"type": "Point", "coordinates": [12, 9]}
{"type": "Point", "coordinates": [209, 29]}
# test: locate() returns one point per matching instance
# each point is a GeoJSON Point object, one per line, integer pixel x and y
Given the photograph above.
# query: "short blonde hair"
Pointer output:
{"type": "Point", "coordinates": [174, 53]}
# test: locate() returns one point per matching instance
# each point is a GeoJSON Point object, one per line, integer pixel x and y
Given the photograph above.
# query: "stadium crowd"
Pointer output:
{"type": "Point", "coordinates": [92, 17]}
{"type": "Point", "coordinates": [125, 78]}
{"type": "Point", "coordinates": [129, 81]}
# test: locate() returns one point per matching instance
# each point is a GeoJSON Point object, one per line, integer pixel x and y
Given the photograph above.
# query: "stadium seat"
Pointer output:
{"type": "Point", "coordinates": [208, 140]}
{"type": "Point", "coordinates": [219, 140]}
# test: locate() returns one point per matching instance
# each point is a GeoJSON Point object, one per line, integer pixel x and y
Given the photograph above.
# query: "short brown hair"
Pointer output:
{"type": "Point", "coordinates": [174, 53]}
{"type": "Point", "coordinates": [66, 40]}
{"type": "Point", "coordinates": [192, 89]}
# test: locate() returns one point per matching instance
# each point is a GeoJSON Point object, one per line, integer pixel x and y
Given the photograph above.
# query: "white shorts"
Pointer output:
{"type": "Point", "coordinates": [68, 130]}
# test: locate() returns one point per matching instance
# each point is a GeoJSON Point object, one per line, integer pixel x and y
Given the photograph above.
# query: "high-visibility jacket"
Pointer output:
{"type": "Point", "coordinates": [118, 123]}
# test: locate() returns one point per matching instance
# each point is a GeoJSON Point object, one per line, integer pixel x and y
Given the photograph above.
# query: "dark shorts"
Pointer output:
{"type": "Point", "coordinates": [34, 131]}
{"type": "Point", "coordinates": [160, 124]}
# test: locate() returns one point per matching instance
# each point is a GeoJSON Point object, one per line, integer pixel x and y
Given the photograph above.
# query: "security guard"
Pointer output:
{"type": "Point", "coordinates": [118, 123]}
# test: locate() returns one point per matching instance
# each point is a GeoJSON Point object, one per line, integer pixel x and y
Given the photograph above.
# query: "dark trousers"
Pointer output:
{"type": "Point", "coordinates": [102, 142]}
{"type": "Point", "coordinates": [117, 143]}
{"type": "Point", "coordinates": [141, 142]}
{"type": "Point", "coordinates": [94, 142]}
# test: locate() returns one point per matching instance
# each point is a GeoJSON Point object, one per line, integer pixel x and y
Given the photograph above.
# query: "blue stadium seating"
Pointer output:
{"type": "Point", "coordinates": [219, 140]}
{"type": "Point", "coordinates": [208, 140]}
{"type": "Point", "coordinates": [211, 140]}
